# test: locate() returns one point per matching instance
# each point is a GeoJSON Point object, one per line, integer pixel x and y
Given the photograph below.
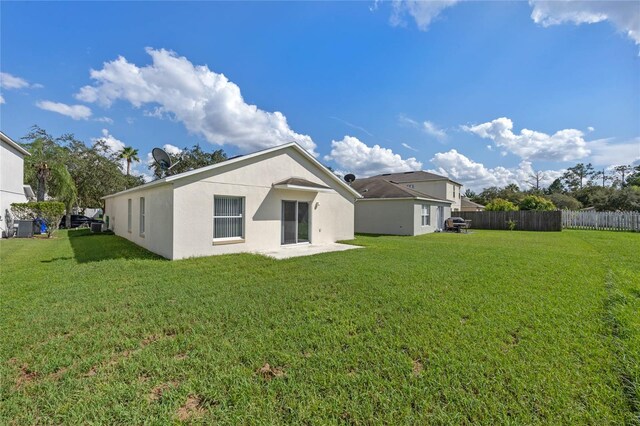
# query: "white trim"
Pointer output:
{"type": "Point", "coordinates": [237, 160]}
{"type": "Point", "coordinates": [406, 198]}
{"type": "Point", "coordinates": [13, 144]}
{"type": "Point", "coordinates": [303, 188]}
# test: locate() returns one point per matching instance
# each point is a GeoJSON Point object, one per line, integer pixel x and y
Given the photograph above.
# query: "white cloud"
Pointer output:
{"type": "Point", "coordinates": [1, 100]}
{"type": "Point", "coordinates": [104, 120]}
{"type": "Point", "coordinates": [606, 153]}
{"type": "Point", "coordinates": [115, 145]}
{"type": "Point", "coordinates": [476, 176]}
{"type": "Point", "coordinates": [77, 112]}
{"type": "Point", "coordinates": [428, 127]}
{"type": "Point", "coordinates": [591, 128]}
{"type": "Point", "coordinates": [171, 149]}
{"type": "Point", "coordinates": [564, 145]}
{"type": "Point", "coordinates": [409, 147]}
{"type": "Point", "coordinates": [423, 12]}
{"type": "Point", "coordinates": [8, 81]}
{"type": "Point", "coordinates": [353, 156]}
{"type": "Point", "coordinates": [433, 130]}
{"type": "Point", "coordinates": [206, 102]}
{"type": "Point", "coordinates": [624, 15]}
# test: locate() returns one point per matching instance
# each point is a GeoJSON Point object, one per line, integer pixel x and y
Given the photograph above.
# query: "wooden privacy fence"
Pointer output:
{"type": "Point", "coordinates": [525, 220]}
{"type": "Point", "coordinates": [607, 221]}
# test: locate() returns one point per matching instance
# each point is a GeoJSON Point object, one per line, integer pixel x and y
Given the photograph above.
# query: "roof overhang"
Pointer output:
{"type": "Point", "coordinates": [301, 187]}
{"type": "Point", "coordinates": [6, 139]}
{"type": "Point", "coordinates": [237, 162]}
{"type": "Point", "coordinates": [432, 200]}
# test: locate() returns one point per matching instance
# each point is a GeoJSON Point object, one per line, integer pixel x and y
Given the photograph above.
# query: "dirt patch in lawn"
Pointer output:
{"type": "Point", "coordinates": [158, 391]}
{"type": "Point", "coordinates": [268, 372]}
{"type": "Point", "coordinates": [25, 376]}
{"type": "Point", "coordinates": [417, 367]}
{"type": "Point", "coordinates": [190, 409]}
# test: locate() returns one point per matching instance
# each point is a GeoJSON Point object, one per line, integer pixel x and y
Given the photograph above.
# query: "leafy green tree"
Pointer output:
{"type": "Point", "coordinates": [564, 202]}
{"type": "Point", "coordinates": [190, 159]}
{"type": "Point", "coordinates": [43, 168]}
{"type": "Point", "coordinates": [499, 204]}
{"type": "Point", "coordinates": [626, 199]}
{"type": "Point", "coordinates": [534, 202]}
{"type": "Point", "coordinates": [634, 178]}
{"type": "Point", "coordinates": [623, 171]}
{"type": "Point", "coordinates": [50, 211]}
{"type": "Point", "coordinates": [575, 177]}
{"type": "Point", "coordinates": [556, 187]}
{"type": "Point", "coordinates": [129, 154]}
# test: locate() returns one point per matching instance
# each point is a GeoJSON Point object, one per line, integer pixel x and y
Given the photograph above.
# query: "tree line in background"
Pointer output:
{"type": "Point", "coordinates": [67, 170]}
{"type": "Point", "coordinates": [579, 187]}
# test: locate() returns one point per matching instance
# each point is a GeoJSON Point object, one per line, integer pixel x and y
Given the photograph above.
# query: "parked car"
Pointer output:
{"type": "Point", "coordinates": [78, 220]}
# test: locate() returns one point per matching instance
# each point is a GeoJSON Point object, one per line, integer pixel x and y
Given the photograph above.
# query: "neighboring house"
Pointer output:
{"type": "Point", "coordinates": [392, 208]}
{"type": "Point", "coordinates": [429, 183]}
{"type": "Point", "coordinates": [470, 206]}
{"type": "Point", "coordinates": [12, 187]}
{"type": "Point", "coordinates": [257, 202]}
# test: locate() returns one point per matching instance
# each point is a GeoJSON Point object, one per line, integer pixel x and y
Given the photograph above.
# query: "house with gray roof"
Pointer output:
{"type": "Point", "coordinates": [429, 183]}
{"type": "Point", "coordinates": [391, 207]}
{"type": "Point", "coordinates": [470, 206]}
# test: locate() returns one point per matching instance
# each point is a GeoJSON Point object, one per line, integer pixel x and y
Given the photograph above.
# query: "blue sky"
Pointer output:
{"type": "Point", "coordinates": [368, 87]}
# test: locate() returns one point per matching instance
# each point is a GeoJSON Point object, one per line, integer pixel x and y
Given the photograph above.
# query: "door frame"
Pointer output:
{"type": "Point", "coordinates": [282, 243]}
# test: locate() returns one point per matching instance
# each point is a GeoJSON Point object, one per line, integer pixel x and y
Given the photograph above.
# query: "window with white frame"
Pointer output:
{"type": "Point", "coordinates": [228, 218]}
{"type": "Point", "coordinates": [142, 215]}
{"type": "Point", "coordinates": [129, 215]}
{"type": "Point", "coordinates": [426, 218]}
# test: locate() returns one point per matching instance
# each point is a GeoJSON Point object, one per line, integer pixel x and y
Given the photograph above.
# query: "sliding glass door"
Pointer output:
{"type": "Point", "coordinates": [295, 222]}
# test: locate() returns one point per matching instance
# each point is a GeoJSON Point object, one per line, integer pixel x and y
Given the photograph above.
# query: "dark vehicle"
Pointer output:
{"type": "Point", "coordinates": [78, 221]}
{"type": "Point", "coordinates": [456, 224]}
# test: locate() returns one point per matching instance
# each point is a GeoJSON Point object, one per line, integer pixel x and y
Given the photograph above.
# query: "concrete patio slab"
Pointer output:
{"type": "Point", "coordinates": [297, 250]}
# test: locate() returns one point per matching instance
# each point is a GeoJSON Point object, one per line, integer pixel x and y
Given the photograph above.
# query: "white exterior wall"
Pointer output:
{"type": "Point", "coordinates": [433, 214]}
{"type": "Point", "coordinates": [158, 235]}
{"type": "Point", "coordinates": [11, 181]}
{"type": "Point", "coordinates": [388, 216]}
{"type": "Point", "coordinates": [331, 214]}
{"type": "Point", "coordinates": [440, 189]}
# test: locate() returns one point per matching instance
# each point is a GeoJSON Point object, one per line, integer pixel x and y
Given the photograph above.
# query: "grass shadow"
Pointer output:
{"type": "Point", "coordinates": [95, 247]}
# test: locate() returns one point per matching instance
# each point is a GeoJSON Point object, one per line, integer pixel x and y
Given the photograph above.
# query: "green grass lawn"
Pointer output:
{"type": "Point", "coordinates": [493, 327]}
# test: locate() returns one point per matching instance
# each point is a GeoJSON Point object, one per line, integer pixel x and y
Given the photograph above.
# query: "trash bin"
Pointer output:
{"type": "Point", "coordinates": [96, 227]}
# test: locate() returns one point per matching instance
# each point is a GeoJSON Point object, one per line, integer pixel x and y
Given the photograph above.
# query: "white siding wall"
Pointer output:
{"type": "Point", "coordinates": [11, 180]}
{"type": "Point", "coordinates": [331, 214]}
{"type": "Point", "coordinates": [392, 217]}
{"type": "Point", "coordinates": [440, 189]}
{"type": "Point", "coordinates": [158, 235]}
{"type": "Point", "coordinates": [433, 207]}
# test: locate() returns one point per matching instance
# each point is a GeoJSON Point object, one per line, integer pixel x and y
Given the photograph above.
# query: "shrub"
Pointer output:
{"type": "Point", "coordinates": [564, 202]}
{"type": "Point", "coordinates": [50, 211]}
{"type": "Point", "coordinates": [533, 202]}
{"type": "Point", "coordinates": [501, 205]}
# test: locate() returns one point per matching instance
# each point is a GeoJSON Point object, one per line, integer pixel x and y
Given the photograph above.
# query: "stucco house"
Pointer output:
{"type": "Point", "coordinates": [252, 203]}
{"type": "Point", "coordinates": [12, 187]}
{"type": "Point", "coordinates": [389, 207]}
{"type": "Point", "coordinates": [429, 183]}
{"type": "Point", "coordinates": [470, 206]}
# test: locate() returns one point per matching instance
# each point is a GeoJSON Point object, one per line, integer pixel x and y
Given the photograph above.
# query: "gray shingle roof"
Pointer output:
{"type": "Point", "coordinates": [416, 176]}
{"type": "Point", "coordinates": [380, 187]}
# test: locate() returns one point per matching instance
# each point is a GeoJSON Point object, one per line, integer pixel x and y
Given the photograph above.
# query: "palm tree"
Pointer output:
{"type": "Point", "coordinates": [130, 154]}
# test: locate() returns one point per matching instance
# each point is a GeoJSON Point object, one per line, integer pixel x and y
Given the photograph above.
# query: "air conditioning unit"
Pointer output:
{"type": "Point", "coordinates": [96, 227]}
{"type": "Point", "coordinates": [25, 229]}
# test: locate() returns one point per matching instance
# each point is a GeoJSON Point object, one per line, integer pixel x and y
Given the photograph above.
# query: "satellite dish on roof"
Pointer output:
{"type": "Point", "coordinates": [349, 178]}
{"type": "Point", "coordinates": [163, 160]}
